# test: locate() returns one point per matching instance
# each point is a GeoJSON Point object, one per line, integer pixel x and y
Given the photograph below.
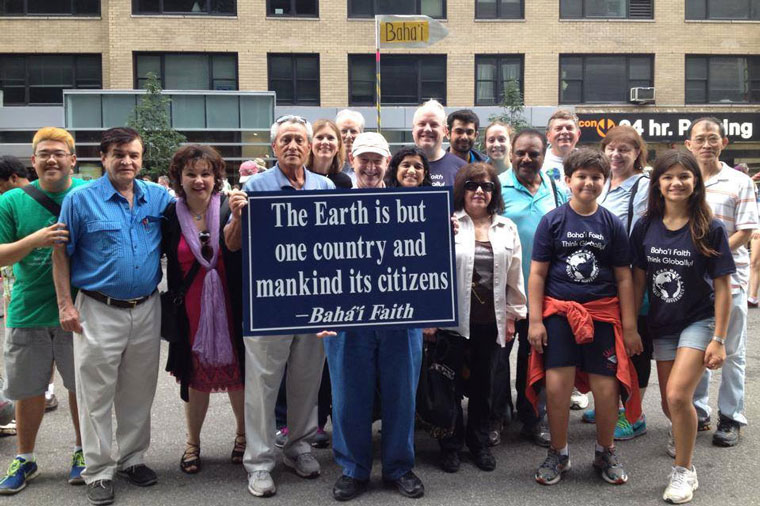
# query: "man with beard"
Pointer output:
{"type": "Point", "coordinates": [528, 196]}
{"type": "Point", "coordinates": [428, 131]}
{"type": "Point", "coordinates": [731, 196]}
{"type": "Point", "coordinates": [563, 132]}
{"type": "Point", "coordinates": [350, 123]}
{"type": "Point", "coordinates": [463, 132]}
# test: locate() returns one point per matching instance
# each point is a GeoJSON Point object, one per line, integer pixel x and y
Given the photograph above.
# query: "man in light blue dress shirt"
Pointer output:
{"type": "Point", "coordinates": [112, 257]}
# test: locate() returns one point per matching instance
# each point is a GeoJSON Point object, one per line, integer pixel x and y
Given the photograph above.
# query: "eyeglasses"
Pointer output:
{"type": "Point", "coordinates": [290, 118]}
{"type": "Point", "coordinates": [712, 140]}
{"type": "Point", "coordinates": [486, 186]}
{"type": "Point", "coordinates": [58, 155]}
{"type": "Point", "coordinates": [206, 250]}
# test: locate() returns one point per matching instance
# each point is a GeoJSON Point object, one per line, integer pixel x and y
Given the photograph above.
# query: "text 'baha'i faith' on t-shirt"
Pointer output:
{"type": "Point", "coordinates": [679, 277]}
{"type": "Point", "coordinates": [583, 251]}
{"type": "Point", "coordinates": [444, 170]}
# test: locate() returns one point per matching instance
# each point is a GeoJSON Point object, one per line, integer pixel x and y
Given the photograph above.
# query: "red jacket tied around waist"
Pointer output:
{"type": "Point", "coordinates": [581, 319]}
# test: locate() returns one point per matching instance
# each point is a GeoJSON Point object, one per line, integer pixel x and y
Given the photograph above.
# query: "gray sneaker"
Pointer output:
{"type": "Point", "coordinates": [100, 492]}
{"type": "Point", "coordinates": [260, 484]}
{"type": "Point", "coordinates": [305, 465]}
{"type": "Point", "coordinates": [554, 466]}
{"type": "Point", "coordinates": [609, 467]}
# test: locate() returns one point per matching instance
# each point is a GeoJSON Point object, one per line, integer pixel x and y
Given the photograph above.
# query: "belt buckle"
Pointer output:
{"type": "Point", "coordinates": [134, 302]}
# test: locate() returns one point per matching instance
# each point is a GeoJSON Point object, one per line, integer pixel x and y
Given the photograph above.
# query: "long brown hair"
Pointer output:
{"type": "Point", "coordinates": [700, 215]}
{"type": "Point", "coordinates": [340, 157]}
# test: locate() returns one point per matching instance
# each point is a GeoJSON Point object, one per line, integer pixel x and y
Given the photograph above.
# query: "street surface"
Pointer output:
{"type": "Point", "coordinates": [726, 475]}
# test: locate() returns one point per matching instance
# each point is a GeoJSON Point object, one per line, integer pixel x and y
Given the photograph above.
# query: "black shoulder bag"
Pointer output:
{"type": "Point", "coordinates": [173, 307]}
{"type": "Point", "coordinates": [42, 200]}
{"type": "Point", "coordinates": [634, 189]}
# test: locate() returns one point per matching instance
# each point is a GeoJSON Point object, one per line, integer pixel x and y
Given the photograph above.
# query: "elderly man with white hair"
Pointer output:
{"type": "Point", "coordinates": [267, 356]}
{"type": "Point", "coordinates": [350, 123]}
{"type": "Point", "coordinates": [428, 131]}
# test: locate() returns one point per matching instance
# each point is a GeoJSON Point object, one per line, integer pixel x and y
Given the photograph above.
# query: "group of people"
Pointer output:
{"type": "Point", "coordinates": [592, 265]}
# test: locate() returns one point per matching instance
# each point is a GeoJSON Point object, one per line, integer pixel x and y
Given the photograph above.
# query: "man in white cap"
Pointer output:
{"type": "Point", "coordinates": [369, 158]}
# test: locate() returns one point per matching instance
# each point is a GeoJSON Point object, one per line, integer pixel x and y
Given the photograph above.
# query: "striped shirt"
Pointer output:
{"type": "Point", "coordinates": [115, 249]}
{"type": "Point", "coordinates": [731, 196]}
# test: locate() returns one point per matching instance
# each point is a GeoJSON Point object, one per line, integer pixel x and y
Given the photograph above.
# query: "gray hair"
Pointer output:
{"type": "Point", "coordinates": [349, 114]}
{"type": "Point", "coordinates": [288, 119]}
{"type": "Point", "coordinates": [433, 106]}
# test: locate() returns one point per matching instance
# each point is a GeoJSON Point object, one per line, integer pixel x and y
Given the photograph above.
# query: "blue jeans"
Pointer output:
{"type": "Point", "coordinates": [731, 392]}
{"type": "Point", "coordinates": [358, 361]}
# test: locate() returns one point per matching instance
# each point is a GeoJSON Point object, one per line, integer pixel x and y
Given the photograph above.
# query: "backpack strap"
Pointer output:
{"type": "Point", "coordinates": [554, 191]}
{"type": "Point", "coordinates": [42, 199]}
{"type": "Point", "coordinates": [634, 189]}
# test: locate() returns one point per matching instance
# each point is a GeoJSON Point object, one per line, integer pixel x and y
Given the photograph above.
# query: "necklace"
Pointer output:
{"type": "Point", "coordinates": [198, 217]}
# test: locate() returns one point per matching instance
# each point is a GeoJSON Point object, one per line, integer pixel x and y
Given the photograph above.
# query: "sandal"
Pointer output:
{"type": "Point", "coordinates": [239, 449]}
{"type": "Point", "coordinates": [190, 462]}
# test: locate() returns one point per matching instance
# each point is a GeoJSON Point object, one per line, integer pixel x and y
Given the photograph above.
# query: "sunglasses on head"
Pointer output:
{"type": "Point", "coordinates": [290, 118]}
{"type": "Point", "coordinates": [473, 186]}
{"type": "Point", "coordinates": [206, 250]}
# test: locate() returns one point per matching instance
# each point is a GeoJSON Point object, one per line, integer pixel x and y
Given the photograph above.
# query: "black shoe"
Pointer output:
{"type": "Point", "coordinates": [409, 485]}
{"type": "Point", "coordinates": [727, 433]}
{"type": "Point", "coordinates": [484, 459]}
{"type": "Point", "coordinates": [346, 488]}
{"type": "Point", "coordinates": [140, 475]}
{"type": "Point", "coordinates": [538, 433]}
{"type": "Point", "coordinates": [703, 424]}
{"type": "Point", "coordinates": [100, 492]}
{"type": "Point", "coordinates": [450, 461]}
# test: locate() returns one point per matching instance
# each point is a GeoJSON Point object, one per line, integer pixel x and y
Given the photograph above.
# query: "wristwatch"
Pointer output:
{"type": "Point", "coordinates": [721, 340]}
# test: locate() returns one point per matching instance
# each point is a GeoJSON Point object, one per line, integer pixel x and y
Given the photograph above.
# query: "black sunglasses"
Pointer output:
{"type": "Point", "coordinates": [473, 186]}
{"type": "Point", "coordinates": [206, 250]}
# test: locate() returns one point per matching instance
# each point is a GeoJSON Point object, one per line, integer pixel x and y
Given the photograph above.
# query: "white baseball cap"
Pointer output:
{"type": "Point", "coordinates": [370, 142]}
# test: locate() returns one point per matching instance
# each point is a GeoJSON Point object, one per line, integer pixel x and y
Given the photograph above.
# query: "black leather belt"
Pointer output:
{"type": "Point", "coordinates": [123, 304]}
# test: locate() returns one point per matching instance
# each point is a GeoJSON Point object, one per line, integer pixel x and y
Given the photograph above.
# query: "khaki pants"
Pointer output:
{"type": "Point", "coordinates": [116, 361]}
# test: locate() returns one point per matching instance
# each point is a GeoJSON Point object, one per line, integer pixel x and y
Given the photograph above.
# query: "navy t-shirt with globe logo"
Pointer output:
{"type": "Point", "coordinates": [583, 251]}
{"type": "Point", "coordinates": [679, 278]}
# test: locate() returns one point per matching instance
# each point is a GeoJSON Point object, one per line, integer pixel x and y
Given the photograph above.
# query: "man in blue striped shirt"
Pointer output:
{"type": "Point", "coordinates": [112, 257]}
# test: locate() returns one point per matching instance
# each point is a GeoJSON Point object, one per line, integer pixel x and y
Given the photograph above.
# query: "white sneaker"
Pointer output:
{"type": "Point", "coordinates": [683, 483]}
{"type": "Point", "coordinates": [305, 465]}
{"type": "Point", "coordinates": [260, 484]}
{"type": "Point", "coordinates": [671, 448]}
{"type": "Point", "coordinates": [578, 400]}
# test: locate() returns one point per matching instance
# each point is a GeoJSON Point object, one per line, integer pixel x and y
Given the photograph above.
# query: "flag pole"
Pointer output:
{"type": "Point", "coordinates": [377, 68]}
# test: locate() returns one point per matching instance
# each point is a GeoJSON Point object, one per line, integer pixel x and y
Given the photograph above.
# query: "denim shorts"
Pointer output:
{"type": "Point", "coordinates": [696, 336]}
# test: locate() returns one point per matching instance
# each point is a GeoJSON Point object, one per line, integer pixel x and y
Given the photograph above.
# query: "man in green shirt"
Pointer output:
{"type": "Point", "coordinates": [34, 338]}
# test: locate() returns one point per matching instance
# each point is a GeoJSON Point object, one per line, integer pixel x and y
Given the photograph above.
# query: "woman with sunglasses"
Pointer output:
{"type": "Point", "coordinates": [207, 360]}
{"type": "Point", "coordinates": [491, 296]}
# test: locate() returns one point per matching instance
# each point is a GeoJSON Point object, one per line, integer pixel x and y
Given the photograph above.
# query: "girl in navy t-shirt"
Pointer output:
{"type": "Point", "coordinates": [682, 257]}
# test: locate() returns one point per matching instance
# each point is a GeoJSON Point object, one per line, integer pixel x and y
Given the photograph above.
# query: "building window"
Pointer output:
{"type": "Point", "coordinates": [492, 75]}
{"type": "Point", "coordinates": [404, 79]}
{"type": "Point", "coordinates": [49, 7]}
{"type": "Point", "coordinates": [592, 79]}
{"type": "Point", "coordinates": [722, 79]}
{"type": "Point", "coordinates": [499, 9]}
{"type": "Point", "coordinates": [41, 78]}
{"type": "Point", "coordinates": [294, 77]}
{"type": "Point", "coordinates": [296, 8]}
{"type": "Point", "coordinates": [213, 7]}
{"type": "Point", "coordinates": [606, 9]}
{"type": "Point", "coordinates": [369, 8]}
{"type": "Point", "coordinates": [723, 9]}
{"type": "Point", "coordinates": [188, 71]}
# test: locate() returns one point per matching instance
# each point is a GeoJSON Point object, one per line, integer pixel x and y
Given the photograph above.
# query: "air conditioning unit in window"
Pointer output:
{"type": "Point", "coordinates": [642, 95]}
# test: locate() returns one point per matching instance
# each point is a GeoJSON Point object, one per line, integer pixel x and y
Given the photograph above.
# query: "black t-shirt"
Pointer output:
{"type": "Point", "coordinates": [583, 251]}
{"type": "Point", "coordinates": [679, 278]}
{"type": "Point", "coordinates": [444, 170]}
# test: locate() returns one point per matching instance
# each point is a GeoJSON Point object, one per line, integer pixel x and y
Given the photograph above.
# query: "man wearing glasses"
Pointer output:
{"type": "Point", "coordinates": [34, 337]}
{"type": "Point", "coordinates": [731, 196]}
{"type": "Point", "coordinates": [112, 257]}
{"type": "Point", "coordinates": [267, 356]}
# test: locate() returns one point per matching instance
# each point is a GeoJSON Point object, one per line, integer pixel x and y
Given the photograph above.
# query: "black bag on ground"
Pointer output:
{"type": "Point", "coordinates": [437, 395]}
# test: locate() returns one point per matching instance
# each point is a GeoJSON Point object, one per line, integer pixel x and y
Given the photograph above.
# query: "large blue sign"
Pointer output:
{"type": "Point", "coordinates": [329, 260]}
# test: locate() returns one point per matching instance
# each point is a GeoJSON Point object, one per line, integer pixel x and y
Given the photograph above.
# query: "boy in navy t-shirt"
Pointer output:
{"type": "Point", "coordinates": [580, 283]}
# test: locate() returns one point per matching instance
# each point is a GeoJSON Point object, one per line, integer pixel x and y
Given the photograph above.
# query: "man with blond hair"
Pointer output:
{"type": "Point", "coordinates": [34, 337]}
{"type": "Point", "coordinates": [429, 131]}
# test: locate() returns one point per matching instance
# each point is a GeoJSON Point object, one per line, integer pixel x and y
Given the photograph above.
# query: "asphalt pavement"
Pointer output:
{"type": "Point", "coordinates": [726, 475]}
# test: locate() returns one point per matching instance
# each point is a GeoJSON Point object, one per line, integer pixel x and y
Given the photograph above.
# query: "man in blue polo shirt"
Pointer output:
{"type": "Point", "coordinates": [112, 257]}
{"type": "Point", "coordinates": [528, 196]}
{"type": "Point", "coordinates": [267, 356]}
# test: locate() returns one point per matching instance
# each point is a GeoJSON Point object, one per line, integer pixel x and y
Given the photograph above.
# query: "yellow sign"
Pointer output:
{"type": "Point", "coordinates": [404, 32]}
